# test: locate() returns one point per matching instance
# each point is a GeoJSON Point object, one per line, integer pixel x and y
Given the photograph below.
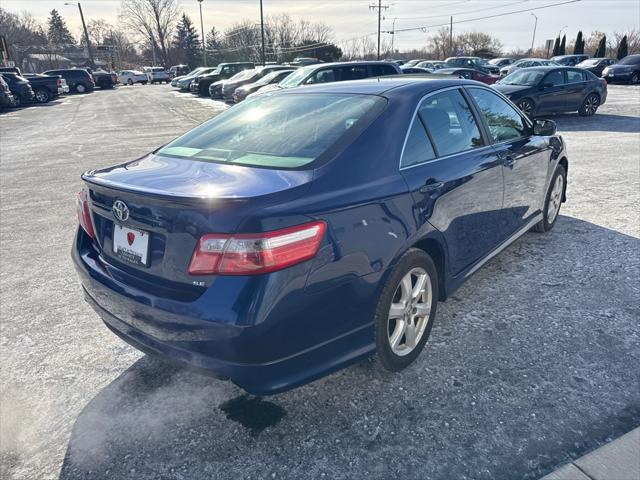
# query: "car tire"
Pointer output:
{"type": "Point", "coordinates": [81, 88]}
{"type": "Point", "coordinates": [129, 82]}
{"type": "Point", "coordinates": [42, 95]}
{"type": "Point", "coordinates": [590, 105]}
{"type": "Point", "coordinates": [398, 309]}
{"type": "Point", "coordinates": [634, 78]}
{"type": "Point", "coordinates": [143, 83]}
{"type": "Point", "coordinates": [526, 106]}
{"type": "Point", "coordinates": [553, 200]}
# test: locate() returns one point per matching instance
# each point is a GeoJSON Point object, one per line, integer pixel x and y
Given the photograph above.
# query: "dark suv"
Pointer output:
{"type": "Point", "coordinates": [78, 79]}
{"type": "Point", "coordinates": [19, 87]}
{"type": "Point", "coordinates": [200, 84]}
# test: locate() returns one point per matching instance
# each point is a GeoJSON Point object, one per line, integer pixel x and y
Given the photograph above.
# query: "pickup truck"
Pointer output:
{"type": "Point", "coordinates": [46, 87]}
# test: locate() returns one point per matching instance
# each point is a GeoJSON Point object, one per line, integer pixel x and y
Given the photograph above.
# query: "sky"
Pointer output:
{"type": "Point", "coordinates": [353, 18]}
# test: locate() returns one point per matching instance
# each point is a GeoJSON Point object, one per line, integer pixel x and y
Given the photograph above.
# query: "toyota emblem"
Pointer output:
{"type": "Point", "coordinates": [120, 210]}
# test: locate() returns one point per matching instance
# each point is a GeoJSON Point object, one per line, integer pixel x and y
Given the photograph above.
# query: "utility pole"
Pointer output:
{"type": "Point", "coordinates": [535, 25]}
{"type": "Point", "coordinates": [378, 7]}
{"type": "Point", "coordinates": [393, 37]}
{"type": "Point", "coordinates": [204, 42]}
{"type": "Point", "coordinates": [264, 60]}
{"type": "Point", "coordinates": [86, 35]}
{"type": "Point", "coordinates": [451, 37]}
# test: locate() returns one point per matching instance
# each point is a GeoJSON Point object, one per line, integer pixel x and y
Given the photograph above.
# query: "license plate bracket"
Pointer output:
{"type": "Point", "coordinates": [131, 245]}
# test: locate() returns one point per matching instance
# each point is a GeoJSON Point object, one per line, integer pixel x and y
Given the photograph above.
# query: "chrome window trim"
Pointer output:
{"type": "Point", "coordinates": [413, 119]}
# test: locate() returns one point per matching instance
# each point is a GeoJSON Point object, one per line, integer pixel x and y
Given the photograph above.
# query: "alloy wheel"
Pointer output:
{"type": "Point", "coordinates": [591, 104]}
{"type": "Point", "coordinates": [634, 79]}
{"type": "Point", "coordinates": [130, 82]}
{"type": "Point", "coordinates": [409, 312]}
{"type": "Point", "coordinates": [42, 96]}
{"type": "Point", "coordinates": [526, 106]}
{"type": "Point", "coordinates": [80, 88]}
{"type": "Point", "coordinates": [555, 199]}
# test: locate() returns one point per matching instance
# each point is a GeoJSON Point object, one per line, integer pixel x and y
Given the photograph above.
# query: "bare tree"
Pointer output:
{"type": "Point", "coordinates": [439, 43]}
{"type": "Point", "coordinates": [154, 21]}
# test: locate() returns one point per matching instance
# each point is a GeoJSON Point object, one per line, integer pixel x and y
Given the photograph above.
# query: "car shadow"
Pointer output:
{"type": "Point", "coordinates": [529, 365]}
{"type": "Point", "coordinates": [600, 122]}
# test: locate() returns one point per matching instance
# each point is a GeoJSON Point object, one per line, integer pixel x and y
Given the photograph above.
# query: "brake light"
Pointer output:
{"type": "Point", "coordinates": [84, 214]}
{"type": "Point", "coordinates": [91, 78]}
{"type": "Point", "coordinates": [59, 82]}
{"type": "Point", "coordinates": [248, 254]}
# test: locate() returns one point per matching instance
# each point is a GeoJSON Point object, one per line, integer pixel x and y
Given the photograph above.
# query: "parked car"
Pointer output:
{"type": "Point", "coordinates": [298, 233]}
{"type": "Point", "coordinates": [178, 70]}
{"type": "Point", "coordinates": [569, 60]}
{"type": "Point", "coordinates": [46, 87]}
{"type": "Point", "coordinates": [526, 63]}
{"type": "Point", "coordinates": [304, 61]}
{"type": "Point", "coordinates": [185, 83]}
{"type": "Point", "coordinates": [78, 79]}
{"type": "Point", "coordinates": [333, 72]}
{"type": "Point", "coordinates": [195, 71]}
{"type": "Point", "coordinates": [241, 92]}
{"type": "Point", "coordinates": [103, 79]}
{"type": "Point", "coordinates": [416, 70]}
{"type": "Point", "coordinates": [131, 77]}
{"type": "Point", "coordinates": [432, 64]}
{"type": "Point", "coordinates": [414, 62]}
{"type": "Point", "coordinates": [543, 90]}
{"type": "Point", "coordinates": [596, 65]}
{"type": "Point", "coordinates": [200, 84]}
{"type": "Point", "coordinates": [475, 63]}
{"type": "Point", "coordinates": [157, 75]}
{"type": "Point", "coordinates": [501, 62]}
{"type": "Point", "coordinates": [626, 70]}
{"type": "Point", "coordinates": [470, 74]}
{"type": "Point", "coordinates": [6, 97]}
{"type": "Point", "coordinates": [249, 76]}
{"type": "Point", "coordinates": [20, 88]}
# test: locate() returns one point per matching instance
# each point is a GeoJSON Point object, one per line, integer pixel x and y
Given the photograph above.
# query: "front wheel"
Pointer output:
{"type": "Point", "coordinates": [552, 201]}
{"type": "Point", "coordinates": [526, 106]}
{"type": "Point", "coordinates": [129, 82]}
{"type": "Point", "coordinates": [590, 105]}
{"type": "Point", "coordinates": [634, 78]}
{"type": "Point", "coordinates": [406, 309]}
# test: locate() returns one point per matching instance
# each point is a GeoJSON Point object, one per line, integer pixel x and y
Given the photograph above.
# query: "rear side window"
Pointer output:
{"type": "Point", "coordinates": [417, 148]}
{"type": "Point", "coordinates": [450, 122]}
{"type": "Point", "coordinates": [352, 73]}
{"type": "Point", "coordinates": [280, 131]}
{"type": "Point", "coordinates": [379, 70]}
{"type": "Point", "coordinates": [504, 122]}
{"type": "Point", "coordinates": [574, 76]}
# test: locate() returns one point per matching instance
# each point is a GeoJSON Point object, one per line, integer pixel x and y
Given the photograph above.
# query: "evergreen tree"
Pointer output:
{"type": "Point", "coordinates": [556, 47]}
{"type": "Point", "coordinates": [578, 48]}
{"type": "Point", "coordinates": [623, 48]}
{"type": "Point", "coordinates": [187, 41]}
{"type": "Point", "coordinates": [563, 44]}
{"type": "Point", "coordinates": [213, 39]}
{"type": "Point", "coordinates": [601, 51]}
{"type": "Point", "coordinates": [58, 33]}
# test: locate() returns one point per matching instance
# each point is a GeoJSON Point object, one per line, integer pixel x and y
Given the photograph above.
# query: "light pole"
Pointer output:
{"type": "Point", "coordinates": [560, 31]}
{"type": "Point", "coordinates": [535, 25]}
{"type": "Point", "coordinates": [264, 60]}
{"type": "Point", "coordinates": [86, 34]}
{"type": "Point", "coordinates": [204, 41]}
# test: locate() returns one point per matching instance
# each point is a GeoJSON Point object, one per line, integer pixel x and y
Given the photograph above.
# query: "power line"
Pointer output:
{"type": "Point", "coordinates": [379, 7]}
{"type": "Point", "coordinates": [465, 12]}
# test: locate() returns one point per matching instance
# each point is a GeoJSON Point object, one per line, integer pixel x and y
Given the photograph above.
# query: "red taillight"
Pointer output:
{"type": "Point", "coordinates": [59, 82]}
{"type": "Point", "coordinates": [84, 215]}
{"type": "Point", "coordinates": [248, 254]}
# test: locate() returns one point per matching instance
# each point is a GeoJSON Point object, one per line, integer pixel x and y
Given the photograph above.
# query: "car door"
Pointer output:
{"type": "Point", "coordinates": [551, 92]}
{"type": "Point", "coordinates": [454, 177]}
{"type": "Point", "coordinates": [577, 89]}
{"type": "Point", "coordinates": [525, 158]}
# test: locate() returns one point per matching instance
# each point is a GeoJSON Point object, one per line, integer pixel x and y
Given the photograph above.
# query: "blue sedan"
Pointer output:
{"type": "Point", "coordinates": [304, 230]}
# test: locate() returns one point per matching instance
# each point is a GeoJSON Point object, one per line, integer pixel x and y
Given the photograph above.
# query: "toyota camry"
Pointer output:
{"type": "Point", "coordinates": [304, 230]}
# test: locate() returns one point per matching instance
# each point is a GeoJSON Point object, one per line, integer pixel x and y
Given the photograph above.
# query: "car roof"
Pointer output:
{"type": "Point", "coordinates": [349, 64]}
{"type": "Point", "coordinates": [386, 86]}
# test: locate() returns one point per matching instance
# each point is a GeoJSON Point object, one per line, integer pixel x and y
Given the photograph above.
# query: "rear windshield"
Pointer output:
{"type": "Point", "coordinates": [281, 131]}
{"type": "Point", "coordinates": [157, 69]}
{"type": "Point", "coordinates": [630, 60]}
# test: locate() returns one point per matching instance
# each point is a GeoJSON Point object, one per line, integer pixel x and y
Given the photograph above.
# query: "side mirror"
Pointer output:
{"type": "Point", "coordinates": [545, 128]}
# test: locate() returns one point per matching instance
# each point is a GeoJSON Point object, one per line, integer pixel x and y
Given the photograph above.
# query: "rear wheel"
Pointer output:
{"type": "Point", "coordinates": [406, 309]}
{"type": "Point", "coordinates": [590, 105]}
{"type": "Point", "coordinates": [80, 88]}
{"type": "Point", "coordinates": [553, 200]}
{"type": "Point", "coordinates": [42, 96]}
{"type": "Point", "coordinates": [130, 82]}
{"type": "Point", "coordinates": [527, 106]}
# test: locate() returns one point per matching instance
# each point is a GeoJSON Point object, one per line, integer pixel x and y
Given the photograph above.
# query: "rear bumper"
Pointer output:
{"type": "Point", "coordinates": [301, 338]}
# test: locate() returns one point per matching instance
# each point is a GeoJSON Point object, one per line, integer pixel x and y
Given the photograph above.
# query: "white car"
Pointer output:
{"type": "Point", "coordinates": [157, 74]}
{"type": "Point", "coordinates": [129, 77]}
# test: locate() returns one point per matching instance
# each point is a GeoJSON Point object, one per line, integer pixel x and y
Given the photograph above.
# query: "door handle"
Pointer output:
{"type": "Point", "coordinates": [431, 186]}
{"type": "Point", "coordinates": [508, 161]}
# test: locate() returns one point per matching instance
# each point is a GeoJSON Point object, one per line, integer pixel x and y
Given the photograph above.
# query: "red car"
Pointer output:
{"type": "Point", "coordinates": [470, 74]}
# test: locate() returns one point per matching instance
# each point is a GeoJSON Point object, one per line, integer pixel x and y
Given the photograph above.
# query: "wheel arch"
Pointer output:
{"type": "Point", "coordinates": [436, 251]}
{"type": "Point", "coordinates": [565, 163]}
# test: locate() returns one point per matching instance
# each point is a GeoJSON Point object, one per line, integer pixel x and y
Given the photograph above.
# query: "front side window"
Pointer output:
{"type": "Point", "coordinates": [417, 148]}
{"type": "Point", "coordinates": [322, 76]}
{"type": "Point", "coordinates": [283, 131]}
{"type": "Point", "coordinates": [554, 79]}
{"type": "Point", "coordinates": [379, 70]}
{"type": "Point", "coordinates": [504, 122]}
{"type": "Point", "coordinates": [450, 122]}
{"type": "Point", "coordinates": [353, 73]}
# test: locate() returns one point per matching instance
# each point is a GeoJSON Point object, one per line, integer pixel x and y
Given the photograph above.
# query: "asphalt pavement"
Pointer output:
{"type": "Point", "coordinates": [530, 365]}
